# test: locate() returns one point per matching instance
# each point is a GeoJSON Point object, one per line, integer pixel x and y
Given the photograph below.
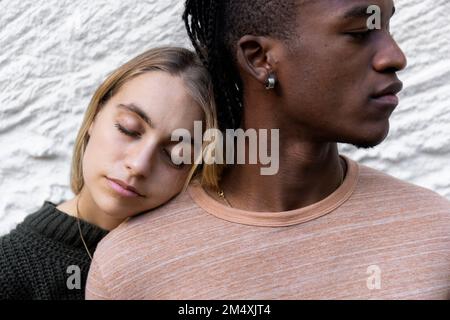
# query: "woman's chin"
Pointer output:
{"type": "Point", "coordinates": [114, 209]}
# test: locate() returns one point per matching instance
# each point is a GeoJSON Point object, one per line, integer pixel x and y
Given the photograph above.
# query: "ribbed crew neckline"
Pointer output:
{"type": "Point", "coordinates": [59, 226]}
{"type": "Point", "coordinates": [283, 218]}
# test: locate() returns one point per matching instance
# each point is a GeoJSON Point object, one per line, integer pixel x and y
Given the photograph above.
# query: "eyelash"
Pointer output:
{"type": "Point", "coordinates": [127, 132]}
{"type": "Point", "coordinates": [360, 35]}
{"type": "Point", "coordinates": [138, 135]}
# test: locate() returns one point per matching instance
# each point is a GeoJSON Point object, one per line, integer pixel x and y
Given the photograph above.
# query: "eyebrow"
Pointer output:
{"type": "Point", "coordinates": [137, 110]}
{"type": "Point", "coordinates": [360, 12]}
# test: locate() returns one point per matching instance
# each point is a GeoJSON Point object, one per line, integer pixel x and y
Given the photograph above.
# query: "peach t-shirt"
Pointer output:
{"type": "Point", "coordinates": [375, 237]}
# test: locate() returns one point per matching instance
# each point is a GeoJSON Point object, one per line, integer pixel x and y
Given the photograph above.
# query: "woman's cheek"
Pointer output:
{"type": "Point", "coordinates": [172, 179]}
{"type": "Point", "coordinates": [113, 143]}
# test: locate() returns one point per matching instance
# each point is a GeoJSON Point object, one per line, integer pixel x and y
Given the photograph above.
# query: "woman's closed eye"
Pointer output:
{"type": "Point", "coordinates": [136, 134]}
{"type": "Point", "coordinates": [127, 132]}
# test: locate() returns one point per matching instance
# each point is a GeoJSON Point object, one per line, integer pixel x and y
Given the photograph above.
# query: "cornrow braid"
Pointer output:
{"type": "Point", "coordinates": [215, 26]}
{"type": "Point", "coordinates": [203, 23]}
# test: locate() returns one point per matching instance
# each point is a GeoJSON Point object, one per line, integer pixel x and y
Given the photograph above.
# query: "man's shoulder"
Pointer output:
{"type": "Point", "coordinates": [389, 188]}
{"type": "Point", "coordinates": [146, 226]}
{"type": "Point", "coordinates": [395, 202]}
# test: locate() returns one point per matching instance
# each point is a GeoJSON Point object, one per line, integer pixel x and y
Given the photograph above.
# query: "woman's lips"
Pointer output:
{"type": "Point", "coordinates": [119, 187]}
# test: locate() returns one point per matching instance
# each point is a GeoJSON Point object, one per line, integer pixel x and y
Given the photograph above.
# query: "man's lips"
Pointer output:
{"type": "Point", "coordinates": [390, 99]}
{"type": "Point", "coordinates": [390, 90]}
{"type": "Point", "coordinates": [388, 95]}
{"type": "Point", "coordinates": [123, 188]}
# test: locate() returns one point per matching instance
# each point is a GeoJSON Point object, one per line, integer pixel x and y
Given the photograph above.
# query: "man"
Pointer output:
{"type": "Point", "coordinates": [323, 227]}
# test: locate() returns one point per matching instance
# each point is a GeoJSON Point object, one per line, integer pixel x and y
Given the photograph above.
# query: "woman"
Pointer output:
{"type": "Point", "coordinates": [122, 166]}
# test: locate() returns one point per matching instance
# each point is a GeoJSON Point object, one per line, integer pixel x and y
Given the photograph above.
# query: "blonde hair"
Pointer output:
{"type": "Point", "coordinates": [175, 61]}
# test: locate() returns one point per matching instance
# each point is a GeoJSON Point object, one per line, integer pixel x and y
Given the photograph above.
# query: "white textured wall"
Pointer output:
{"type": "Point", "coordinates": [54, 53]}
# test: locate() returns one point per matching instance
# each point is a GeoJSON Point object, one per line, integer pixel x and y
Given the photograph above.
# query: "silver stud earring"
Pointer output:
{"type": "Point", "coordinates": [271, 82]}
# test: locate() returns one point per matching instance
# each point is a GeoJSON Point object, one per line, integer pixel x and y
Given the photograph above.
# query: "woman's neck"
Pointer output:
{"type": "Point", "coordinates": [88, 211]}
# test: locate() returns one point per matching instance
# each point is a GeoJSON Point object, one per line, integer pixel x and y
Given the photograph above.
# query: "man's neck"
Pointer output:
{"type": "Point", "coordinates": [307, 174]}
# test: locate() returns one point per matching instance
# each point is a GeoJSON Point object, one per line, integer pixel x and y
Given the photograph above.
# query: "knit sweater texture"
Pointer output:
{"type": "Point", "coordinates": [43, 258]}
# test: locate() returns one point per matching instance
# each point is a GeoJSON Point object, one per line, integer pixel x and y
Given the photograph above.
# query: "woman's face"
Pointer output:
{"type": "Point", "coordinates": [127, 166]}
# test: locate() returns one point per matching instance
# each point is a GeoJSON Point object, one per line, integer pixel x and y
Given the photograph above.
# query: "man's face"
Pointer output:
{"type": "Point", "coordinates": [331, 75]}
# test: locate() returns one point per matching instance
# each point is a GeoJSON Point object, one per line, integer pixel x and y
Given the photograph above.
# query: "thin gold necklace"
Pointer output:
{"type": "Point", "coordinates": [81, 233]}
{"type": "Point", "coordinates": [221, 194]}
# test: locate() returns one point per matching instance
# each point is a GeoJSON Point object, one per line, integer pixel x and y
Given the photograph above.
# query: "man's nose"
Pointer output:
{"type": "Point", "coordinates": [389, 57]}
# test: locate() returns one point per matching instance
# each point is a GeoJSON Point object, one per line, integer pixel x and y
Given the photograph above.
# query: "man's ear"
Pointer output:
{"type": "Point", "coordinates": [254, 58]}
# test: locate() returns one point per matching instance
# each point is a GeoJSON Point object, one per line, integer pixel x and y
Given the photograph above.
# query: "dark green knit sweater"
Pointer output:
{"type": "Point", "coordinates": [44, 257]}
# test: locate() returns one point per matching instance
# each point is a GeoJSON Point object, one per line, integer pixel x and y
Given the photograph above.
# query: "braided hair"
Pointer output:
{"type": "Point", "coordinates": [215, 26]}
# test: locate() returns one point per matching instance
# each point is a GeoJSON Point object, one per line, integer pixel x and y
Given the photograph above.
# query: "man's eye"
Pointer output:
{"type": "Point", "coordinates": [127, 132]}
{"type": "Point", "coordinates": [361, 35]}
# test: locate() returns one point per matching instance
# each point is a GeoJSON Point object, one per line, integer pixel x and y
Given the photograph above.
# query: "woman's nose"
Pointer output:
{"type": "Point", "coordinates": [140, 159]}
